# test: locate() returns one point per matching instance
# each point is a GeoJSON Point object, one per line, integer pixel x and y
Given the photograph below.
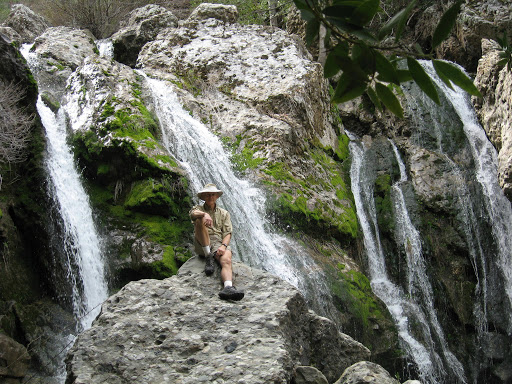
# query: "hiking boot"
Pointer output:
{"type": "Point", "coordinates": [231, 293]}
{"type": "Point", "coordinates": [209, 268]}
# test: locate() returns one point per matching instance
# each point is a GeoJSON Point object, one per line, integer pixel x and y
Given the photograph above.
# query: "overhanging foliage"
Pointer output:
{"type": "Point", "coordinates": [375, 63]}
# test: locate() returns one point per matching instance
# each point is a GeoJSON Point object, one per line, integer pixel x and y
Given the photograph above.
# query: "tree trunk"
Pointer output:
{"type": "Point", "coordinates": [272, 10]}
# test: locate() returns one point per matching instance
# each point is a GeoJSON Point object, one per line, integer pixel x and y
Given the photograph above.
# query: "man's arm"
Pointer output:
{"type": "Point", "coordinates": [205, 217]}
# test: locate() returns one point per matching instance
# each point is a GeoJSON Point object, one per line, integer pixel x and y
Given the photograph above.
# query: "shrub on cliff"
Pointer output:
{"type": "Point", "coordinates": [15, 125]}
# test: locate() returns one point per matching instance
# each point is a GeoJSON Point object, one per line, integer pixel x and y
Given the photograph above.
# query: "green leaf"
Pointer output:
{"type": "Point", "coordinates": [332, 63]}
{"type": "Point", "coordinates": [341, 11]}
{"type": "Point", "coordinates": [331, 67]}
{"type": "Point", "coordinates": [374, 98]}
{"type": "Point", "coordinates": [364, 58]}
{"type": "Point", "coordinates": [365, 12]}
{"type": "Point", "coordinates": [446, 24]}
{"type": "Point", "coordinates": [404, 75]}
{"type": "Point", "coordinates": [301, 4]}
{"type": "Point", "coordinates": [502, 62]}
{"type": "Point", "coordinates": [422, 79]}
{"type": "Point", "coordinates": [443, 77]}
{"type": "Point", "coordinates": [389, 99]}
{"type": "Point", "coordinates": [312, 31]}
{"type": "Point", "coordinates": [365, 35]}
{"type": "Point", "coordinates": [455, 75]}
{"type": "Point", "coordinates": [348, 88]}
{"type": "Point", "coordinates": [399, 20]}
{"type": "Point", "coordinates": [307, 15]}
{"type": "Point", "coordinates": [387, 72]}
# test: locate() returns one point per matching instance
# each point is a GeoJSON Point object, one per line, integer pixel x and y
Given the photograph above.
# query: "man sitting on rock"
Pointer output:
{"type": "Point", "coordinates": [212, 234]}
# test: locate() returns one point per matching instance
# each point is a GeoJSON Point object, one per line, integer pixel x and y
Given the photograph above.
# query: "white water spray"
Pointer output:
{"type": "Point", "coordinates": [419, 287]}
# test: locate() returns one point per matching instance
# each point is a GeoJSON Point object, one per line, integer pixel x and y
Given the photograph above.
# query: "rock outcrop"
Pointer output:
{"type": "Point", "coordinates": [477, 19]}
{"type": "Point", "coordinates": [15, 70]}
{"type": "Point", "coordinates": [178, 330]}
{"type": "Point", "coordinates": [495, 84]}
{"type": "Point", "coordinates": [62, 50]}
{"type": "Point", "coordinates": [365, 372]}
{"type": "Point", "coordinates": [139, 27]}
{"type": "Point", "coordinates": [14, 358]}
{"type": "Point", "coordinates": [27, 24]}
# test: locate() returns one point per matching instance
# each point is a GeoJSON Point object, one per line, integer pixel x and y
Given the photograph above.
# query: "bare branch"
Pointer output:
{"type": "Point", "coordinates": [15, 124]}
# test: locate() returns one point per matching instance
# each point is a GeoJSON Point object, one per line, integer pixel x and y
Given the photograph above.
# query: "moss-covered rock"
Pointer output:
{"type": "Point", "coordinates": [301, 200]}
{"type": "Point", "coordinates": [368, 318]}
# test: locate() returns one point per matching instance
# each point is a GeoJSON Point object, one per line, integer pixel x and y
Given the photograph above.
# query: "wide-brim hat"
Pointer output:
{"type": "Point", "coordinates": [209, 188]}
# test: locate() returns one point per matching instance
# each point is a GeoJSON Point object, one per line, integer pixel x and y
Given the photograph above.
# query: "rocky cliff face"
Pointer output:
{"type": "Point", "coordinates": [495, 83]}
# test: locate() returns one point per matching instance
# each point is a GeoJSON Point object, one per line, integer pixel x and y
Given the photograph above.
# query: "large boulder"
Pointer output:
{"type": "Point", "coordinates": [57, 53]}
{"type": "Point", "coordinates": [493, 109]}
{"type": "Point", "coordinates": [14, 358]}
{"type": "Point", "coordinates": [26, 23]}
{"type": "Point", "coordinates": [178, 330]}
{"type": "Point", "coordinates": [15, 70]}
{"type": "Point", "coordinates": [105, 97]}
{"type": "Point", "coordinates": [140, 26]}
{"type": "Point", "coordinates": [365, 372]}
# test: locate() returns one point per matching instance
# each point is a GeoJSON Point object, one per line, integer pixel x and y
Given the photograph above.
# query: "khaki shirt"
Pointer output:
{"type": "Point", "coordinates": [221, 221]}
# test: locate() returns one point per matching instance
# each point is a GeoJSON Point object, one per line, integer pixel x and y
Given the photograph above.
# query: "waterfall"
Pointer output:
{"type": "Point", "coordinates": [419, 286]}
{"type": "Point", "coordinates": [81, 245]}
{"type": "Point", "coordinates": [497, 206]}
{"type": "Point", "coordinates": [412, 308]}
{"type": "Point", "coordinates": [201, 153]}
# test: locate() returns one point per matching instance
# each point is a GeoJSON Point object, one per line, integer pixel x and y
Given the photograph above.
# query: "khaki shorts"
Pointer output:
{"type": "Point", "coordinates": [215, 243]}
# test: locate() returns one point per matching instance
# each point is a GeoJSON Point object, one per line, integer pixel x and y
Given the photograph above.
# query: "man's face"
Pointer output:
{"type": "Point", "coordinates": [210, 198]}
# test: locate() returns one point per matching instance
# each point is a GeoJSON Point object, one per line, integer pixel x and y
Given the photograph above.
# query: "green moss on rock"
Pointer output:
{"type": "Point", "coordinates": [383, 203]}
{"type": "Point", "coordinates": [299, 208]}
{"type": "Point", "coordinates": [242, 159]}
{"type": "Point", "coordinates": [165, 267]}
{"type": "Point", "coordinates": [367, 318]}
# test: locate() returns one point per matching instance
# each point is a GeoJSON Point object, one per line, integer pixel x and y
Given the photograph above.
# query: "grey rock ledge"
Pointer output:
{"type": "Point", "coordinates": [178, 330]}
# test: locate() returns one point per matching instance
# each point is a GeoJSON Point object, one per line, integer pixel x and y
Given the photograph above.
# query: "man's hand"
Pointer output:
{"type": "Point", "coordinates": [207, 220]}
{"type": "Point", "coordinates": [221, 250]}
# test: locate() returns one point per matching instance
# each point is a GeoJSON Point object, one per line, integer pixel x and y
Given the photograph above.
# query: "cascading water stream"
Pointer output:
{"type": "Point", "coordinates": [201, 153]}
{"type": "Point", "coordinates": [466, 213]}
{"type": "Point", "coordinates": [403, 306]}
{"type": "Point", "coordinates": [498, 207]}
{"type": "Point", "coordinates": [81, 243]}
{"type": "Point", "coordinates": [419, 286]}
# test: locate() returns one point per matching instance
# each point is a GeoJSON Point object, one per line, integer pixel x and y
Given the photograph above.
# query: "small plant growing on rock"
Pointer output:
{"type": "Point", "coordinates": [505, 52]}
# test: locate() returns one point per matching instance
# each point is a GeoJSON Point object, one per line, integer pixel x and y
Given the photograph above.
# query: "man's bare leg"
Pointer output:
{"type": "Point", "coordinates": [202, 237]}
{"type": "Point", "coordinates": [201, 233]}
{"type": "Point", "coordinates": [226, 272]}
{"type": "Point", "coordinates": [229, 292]}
